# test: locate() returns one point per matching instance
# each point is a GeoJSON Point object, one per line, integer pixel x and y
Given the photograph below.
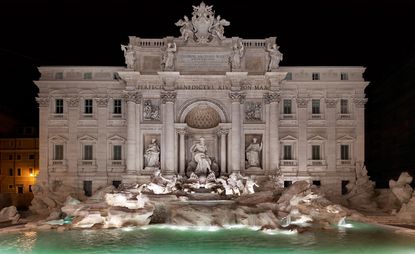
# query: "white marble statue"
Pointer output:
{"type": "Point", "coordinates": [152, 154]}
{"type": "Point", "coordinates": [128, 55]}
{"type": "Point", "coordinates": [275, 57]}
{"type": "Point", "coordinates": [199, 152]}
{"type": "Point", "coordinates": [186, 28]}
{"type": "Point", "coordinates": [252, 153]}
{"type": "Point", "coordinates": [249, 186]}
{"type": "Point", "coordinates": [217, 28]}
{"type": "Point", "coordinates": [237, 53]}
{"type": "Point", "coordinates": [168, 57]}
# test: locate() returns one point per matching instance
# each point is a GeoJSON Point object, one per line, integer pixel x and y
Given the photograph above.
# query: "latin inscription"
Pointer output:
{"type": "Point", "coordinates": [203, 61]}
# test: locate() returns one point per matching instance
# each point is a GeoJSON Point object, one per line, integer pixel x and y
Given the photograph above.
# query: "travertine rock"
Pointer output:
{"type": "Point", "coordinates": [407, 212]}
{"type": "Point", "coordinates": [9, 214]}
{"type": "Point", "coordinates": [361, 193]}
{"type": "Point", "coordinates": [401, 188]}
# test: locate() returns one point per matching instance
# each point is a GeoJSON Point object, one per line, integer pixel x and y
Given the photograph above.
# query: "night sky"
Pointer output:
{"type": "Point", "coordinates": [376, 34]}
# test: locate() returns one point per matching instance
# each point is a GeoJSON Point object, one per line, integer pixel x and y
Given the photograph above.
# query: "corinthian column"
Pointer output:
{"type": "Point", "coordinates": [168, 98]}
{"type": "Point", "coordinates": [237, 98]}
{"type": "Point", "coordinates": [182, 155]}
{"type": "Point", "coordinates": [222, 133]}
{"type": "Point", "coordinates": [274, 142]}
{"type": "Point", "coordinates": [131, 97]}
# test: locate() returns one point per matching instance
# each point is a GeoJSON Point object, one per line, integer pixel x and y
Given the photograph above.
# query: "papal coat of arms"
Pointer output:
{"type": "Point", "coordinates": [204, 27]}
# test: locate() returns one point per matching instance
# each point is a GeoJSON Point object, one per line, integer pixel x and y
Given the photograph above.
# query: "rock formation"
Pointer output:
{"type": "Point", "coordinates": [9, 214]}
{"type": "Point", "coordinates": [361, 194]}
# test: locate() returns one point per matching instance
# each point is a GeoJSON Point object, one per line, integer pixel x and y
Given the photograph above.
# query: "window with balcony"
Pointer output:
{"type": "Point", "coordinates": [117, 152]}
{"type": "Point", "coordinates": [315, 152]}
{"type": "Point", "coordinates": [344, 152]}
{"type": "Point", "coordinates": [316, 76]}
{"type": "Point", "coordinates": [59, 106]}
{"type": "Point", "coordinates": [58, 152]}
{"type": "Point", "coordinates": [88, 75]}
{"type": "Point", "coordinates": [287, 152]}
{"type": "Point", "coordinates": [87, 152]}
{"type": "Point", "coordinates": [344, 76]}
{"type": "Point", "coordinates": [19, 172]}
{"type": "Point", "coordinates": [59, 75]}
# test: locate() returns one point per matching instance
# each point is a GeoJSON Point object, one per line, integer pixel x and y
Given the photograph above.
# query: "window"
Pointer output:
{"type": "Point", "coordinates": [59, 106]}
{"type": "Point", "coordinates": [18, 157]}
{"type": "Point", "coordinates": [10, 172]}
{"type": "Point", "coordinates": [88, 152]}
{"type": "Point", "coordinates": [117, 106]}
{"type": "Point", "coordinates": [289, 76]}
{"type": "Point", "coordinates": [117, 149]}
{"type": "Point", "coordinates": [88, 75]}
{"type": "Point", "coordinates": [88, 106]}
{"type": "Point", "coordinates": [287, 152]}
{"type": "Point", "coordinates": [344, 152]}
{"type": "Point", "coordinates": [59, 75]}
{"type": "Point", "coordinates": [10, 186]}
{"type": "Point", "coordinates": [344, 108]}
{"type": "Point", "coordinates": [315, 152]}
{"type": "Point", "coordinates": [19, 172]}
{"type": "Point", "coordinates": [31, 156]}
{"type": "Point", "coordinates": [287, 107]}
{"type": "Point", "coordinates": [31, 171]}
{"type": "Point", "coordinates": [11, 157]}
{"type": "Point", "coordinates": [344, 76]}
{"type": "Point", "coordinates": [316, 76]}
{"type": "Point", "coordinates": [20, 189]}
{"type": "Point", "coordinates": [58, 152]}
{"type": "Point", "coordinates": [315, 106]}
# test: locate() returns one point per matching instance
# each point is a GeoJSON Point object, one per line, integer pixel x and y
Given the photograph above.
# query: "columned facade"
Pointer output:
{"type": "Point", "coordinates": [192, 104]}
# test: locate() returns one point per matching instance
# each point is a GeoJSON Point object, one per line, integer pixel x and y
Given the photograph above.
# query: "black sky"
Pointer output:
{"type": "Point", "coordinates": [378, 35]}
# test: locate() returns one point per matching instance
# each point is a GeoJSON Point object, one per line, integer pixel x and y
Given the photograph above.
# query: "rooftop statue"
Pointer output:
{"type": "Point", "coordinates": [129, 55]}
{"type": "Point", "coordinates": [203, 27]}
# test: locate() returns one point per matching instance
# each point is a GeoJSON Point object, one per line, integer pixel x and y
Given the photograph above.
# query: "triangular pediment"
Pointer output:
{"type": "Point", "coordinates": [87, 138]}
{"type": "Point", "coordinates": [346, 138]}
{"type": "Point", "coordinates": [116, 138]}
{"type": "Point", "coordinates": [316, 138]}
{"type": "Point", "coordinates": [57, 139]}
{"type": "Point", "coordinates": [288, 138]}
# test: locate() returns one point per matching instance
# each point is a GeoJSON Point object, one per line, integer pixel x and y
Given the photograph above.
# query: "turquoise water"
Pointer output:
{"type": "Point", "coordinates": [158, 239]}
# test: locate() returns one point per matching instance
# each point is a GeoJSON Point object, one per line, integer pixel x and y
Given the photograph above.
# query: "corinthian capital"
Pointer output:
{"type": "Point", "coordinates": [223, 132]}
{"type": "Point", "coordinates": [359, 102]}
{"type": "Point", "coordinates": [43, 101]}
{"type": "Point", "coordinates": [133, 96]}
{"type": "Point", "coordinates": [168, 96]}
{"type": "Point", "coordinates": [237, 96]}
{"type": "Point", "coordinates": [271, 97]}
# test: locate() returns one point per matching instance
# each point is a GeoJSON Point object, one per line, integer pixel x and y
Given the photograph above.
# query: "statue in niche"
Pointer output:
{"type": "Point", "coordinates": [186, 28]}
{"type": "Point", "coordinates": [152, 154]}
{"type": "Point", "coordinates": [150, 111]}
{"type": "Point", "coordinates": [199, 154]}
{"type": "Point", "coordinates": [253, 111]}
{"type": "Point", "coordinates": [217, 29]}
{"type": "Point", "coordinates": [128, 55]}
{"type": "Point", "coordinates": [167, 60]}
{"type": "Point", "coordinates": [237, 53]}
{"type": "Point", "coordinates": [275, 57]}
{"type": "Point", "coordinates": [252, 154]}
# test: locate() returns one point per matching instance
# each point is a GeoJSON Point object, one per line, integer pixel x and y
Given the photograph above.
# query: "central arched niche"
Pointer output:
{"type": "Point", "coordinates": [203, 117]}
